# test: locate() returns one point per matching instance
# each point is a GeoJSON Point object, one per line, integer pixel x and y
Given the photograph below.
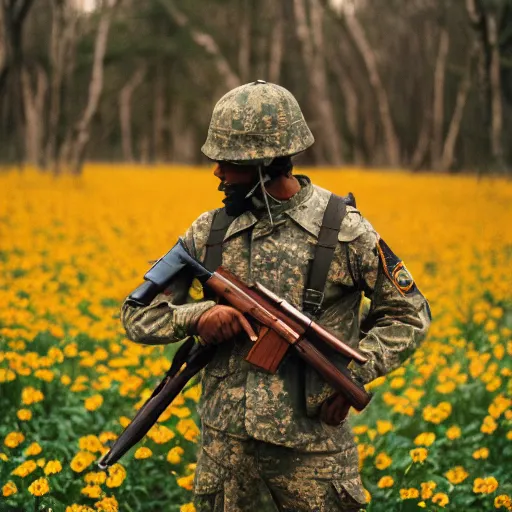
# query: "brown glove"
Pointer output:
{"type": "Point", "coordinates": [220, 323]}
{"type": "Point", "coordinates": [334, 410]}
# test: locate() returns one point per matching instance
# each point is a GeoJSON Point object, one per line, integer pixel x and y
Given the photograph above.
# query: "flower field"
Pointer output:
{"type": "Point", "coordinates": [437, 436]}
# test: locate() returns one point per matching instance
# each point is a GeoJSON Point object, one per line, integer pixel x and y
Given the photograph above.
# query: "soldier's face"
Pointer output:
{"type": "Point", "coordinates": [236, 174]}
{"type": "Point", "coordinates": [237, 181]}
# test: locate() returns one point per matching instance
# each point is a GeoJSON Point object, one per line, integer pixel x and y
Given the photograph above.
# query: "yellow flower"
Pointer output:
{"type": "Point", "coordinates": [3, 457]}
{"type": "Point", "coordinates": [160, 434]}
{"type": "Point", "coordinates": [9, 488]}
{"type": "Point", "coordinates": [456, 475]}
{"type": "Point", "coordinates": [453, 432]}
{"type": "Point", "coordinates": [52, 467]}
{"type": "Point", "coordinates": [481, 453]}
{"type": "Point", "coordinates": [81, 461]}
{"type": "Point", "coordinates": [188, 429]}
{"type": "Point", "coordinates": [94, 402]}
{"type": "Point", "coordinates": [97, 477]}
{"type": "Point", "coordinates": [361, 429]}
{"type": "Point", "coordinates": [188, 507]}
{"type": "Point", "coordinates": [194, 393]}
{"type": "Point", "coordinates": [13, 439]}
{"type": "Point", "coordinates": [419, 454]}
{"type": "Point", "coordinates": [105, 437]}
{"type": "Point", "coordinates": [92, 491]}
{"type": "Point", "coordinates": [33, 449]}
{"type": "Point", "coordinates": [397, 383]}
{"type": "Point", "coordinates": [143, 453]}
{"type": "Point", "coordinates": [485, 485]}
{"type": "Point", "coordinates": [385, 481]}
{"type": "Point", "coordinates": [186, 482]}
{"type": "Point", "coordinates": [174, 455]}
{"type": "Point", "coordinates": [116, 475]}
{"type": "Point", "coordinates": [39, 487]}
{"type": "Point", "coordinates": [422, 504]}
{"type": "Point", "coordinates": [108, 504]}
{"type": "Point", "coordinates": [489, 425]}
{"type": "Point", "coordinates": [427, 489]}
{"type": "Point", "coordinates": [124, 421]}
{"type": "Point", "coordinates": [440, 499]}
{"type": "Point", "coordinates": [30, 395]}
{"type": "Point", "coordinates": [25, 469]}
{"type": "Point", "coordinates": [90, 443]}
{"type": "Point", "coordinates": [503, 500]}
{"type": "Point", "coordinates": [425, 439]}
{"type": "Point", "coordinates": [383, 461]}
{"type": "Point", "coordinates": [24, 414]}
{"type": "Point", "coordinates": [407, 494]}
{"type": "Point", "coordinates": [79, 508]}
{"type": "Point", "coordinates": [383, 427]}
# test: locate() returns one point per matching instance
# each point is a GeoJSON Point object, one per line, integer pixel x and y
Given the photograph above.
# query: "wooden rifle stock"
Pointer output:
{"type": "Point", "coordinates": [283, 326]}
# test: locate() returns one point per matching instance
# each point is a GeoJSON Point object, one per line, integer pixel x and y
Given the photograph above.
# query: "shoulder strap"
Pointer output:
{"type": "Point", "coordinates": [220, 224]}
{"type": "Point", "coordinates": [327, 240]}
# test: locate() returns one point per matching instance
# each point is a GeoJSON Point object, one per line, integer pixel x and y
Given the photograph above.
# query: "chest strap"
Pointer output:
{"type": "Point", "coordinates": [327, 240]}
{"type": "Point", "coordinates": [319, 268]}
{"type": "Point", "coordinates": [220, 224]}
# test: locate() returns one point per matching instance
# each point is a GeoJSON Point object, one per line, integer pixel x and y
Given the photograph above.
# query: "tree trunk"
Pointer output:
{"type": "Point", "coordinates": [351, 104]}
{"type": "Point", "coordinates": [34, 101]}
{"type": "Point", "coordinates": [276, 45]}
{"type": "Point", "coordinates": [125, 111]}
{"type": "Point", "coordinates": [438, 107]}
{"type": "Point", "coordinates": [183, 142]}
{"type": "Point", "coordinates": [244, 48]}
{"type": "Point", "coordinates": [496, 92]}
{"type": "Point", "coordinates": [458, 112]}
{"type": "Point", "coordinates": [420, 151]}
{"type": "Point", "coordinates": [205, 41]}
{"type": "Point", "coordinates": [359, 37]}
{"type": "Point", "coordinates": [62, 44]}
{"type": "Point", "coordinates": [82, 128]}
{"type": "Point", "coordinates": [313, 52]}
{"type": "Point", "coordinates": [12, 17]}
{"type": "Point", "coordinates": [158, 115]}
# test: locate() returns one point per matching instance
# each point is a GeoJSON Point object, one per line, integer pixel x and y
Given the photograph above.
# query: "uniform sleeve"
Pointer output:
{"type": "Point", "coordinates": [399, 315]}
{"type": "Point", "coordinates": [173, 314]}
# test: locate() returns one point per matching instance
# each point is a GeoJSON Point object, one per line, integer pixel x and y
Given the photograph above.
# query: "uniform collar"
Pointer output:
{"type": "Point", "coordinates": [296, 208]}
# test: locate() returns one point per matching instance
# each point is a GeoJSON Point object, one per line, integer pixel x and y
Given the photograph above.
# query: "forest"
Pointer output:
{"type": "Point", "coordinates": [414, 84]}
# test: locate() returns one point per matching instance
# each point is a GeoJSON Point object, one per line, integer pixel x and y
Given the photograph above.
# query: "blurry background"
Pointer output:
{"type": "Point", "coordinates": [421, 84]}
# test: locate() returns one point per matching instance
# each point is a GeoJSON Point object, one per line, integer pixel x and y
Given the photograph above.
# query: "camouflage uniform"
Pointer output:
{"type": "Point", "coordinates": [261, 433]}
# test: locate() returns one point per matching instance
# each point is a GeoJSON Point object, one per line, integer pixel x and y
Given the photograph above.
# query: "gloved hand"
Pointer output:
{"type": "Point", "coordinates": [220, 323]}
{"type": "Point", "coordinates": [334, 410]}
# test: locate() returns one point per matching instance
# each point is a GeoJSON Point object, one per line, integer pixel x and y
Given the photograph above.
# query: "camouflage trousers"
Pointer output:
{"type": "Point", "coordinates": [234, 475]}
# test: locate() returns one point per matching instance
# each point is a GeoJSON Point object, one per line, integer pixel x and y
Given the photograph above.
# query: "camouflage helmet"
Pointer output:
{"type": "Point", "coordinates": [255, 123]}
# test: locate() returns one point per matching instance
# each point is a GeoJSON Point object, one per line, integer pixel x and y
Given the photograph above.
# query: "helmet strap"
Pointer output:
{"type": "Point", "coordinates": [264, 192]}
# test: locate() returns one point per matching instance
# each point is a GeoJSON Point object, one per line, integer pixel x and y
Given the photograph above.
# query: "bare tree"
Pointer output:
{"type": "Point", "coordinates": [34, 97]}
{"type": "Point", "coordinates": [310, 36]}
{"type": "Point", "coordinates": [82, 128]}
{"type": "Point", "coordinates": [125, 118]}
{"type": "Point", "coordinates": [205, 41]}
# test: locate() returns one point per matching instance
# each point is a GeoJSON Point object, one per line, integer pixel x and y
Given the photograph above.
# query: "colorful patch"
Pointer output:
{"type": "Point", "coordinates": [395, 269]}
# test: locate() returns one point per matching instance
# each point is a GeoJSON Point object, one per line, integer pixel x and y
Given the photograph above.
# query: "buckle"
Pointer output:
{"type": "Point", "coordinates": [312, 300]}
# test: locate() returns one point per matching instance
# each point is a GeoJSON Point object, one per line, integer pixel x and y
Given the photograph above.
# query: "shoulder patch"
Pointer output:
{"type": "Point", "coordinates": [395, 269]}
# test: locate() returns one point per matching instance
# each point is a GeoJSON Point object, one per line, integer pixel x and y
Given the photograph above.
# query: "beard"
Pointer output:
{"type": "Point", "coordinates": [235, 201]}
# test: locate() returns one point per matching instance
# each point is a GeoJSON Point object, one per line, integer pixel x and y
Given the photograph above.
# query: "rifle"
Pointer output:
{"type": "Point", "coordinates": [281, 326]}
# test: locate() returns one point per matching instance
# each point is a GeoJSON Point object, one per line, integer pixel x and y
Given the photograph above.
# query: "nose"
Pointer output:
{"type": "Point", "coordinates": [218, 172]}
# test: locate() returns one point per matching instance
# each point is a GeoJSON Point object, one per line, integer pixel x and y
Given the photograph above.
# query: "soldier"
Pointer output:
{"type": "Point", "coordinates": [279, 442]}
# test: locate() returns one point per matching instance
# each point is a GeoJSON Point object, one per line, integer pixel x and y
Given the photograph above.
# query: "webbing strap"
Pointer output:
{"type": "Point", "coordinates": [220, 224]}
{"type": "Point", "coordinates": [313, 295]}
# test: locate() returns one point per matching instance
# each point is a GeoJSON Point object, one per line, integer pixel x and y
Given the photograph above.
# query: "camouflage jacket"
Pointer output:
{"type": "Point", "coordinates": [283, 408]}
